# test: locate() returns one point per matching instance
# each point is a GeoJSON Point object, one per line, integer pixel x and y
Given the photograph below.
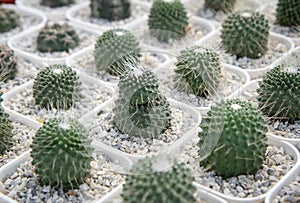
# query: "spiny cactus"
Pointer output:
{"type": "Point", "coordinates": [56, 86]}
{"type": "Point", "coordinates": [288, 12]}
{"type": "Point", "coordinates": [110, 9]}
{"type": "Point", "coordinates": [9, 19]}
{"type": "Point", "coordinates": [241, 146]}
{"type": "Point", "coordinates": [57, 37]}
{"type": "Point", "coordinates": [167, 20]}
{"type": "Point", "coordinates": [61, 153]}
{"type": "Point", "coordinates": [140, 109]}
{"type": "Point", "coordinates": [217, 5]}
{"type": "Point", "coordinates": [146, 185]}
{"type": "Point", "coordinates": [116, 50]}
{"type": "Point", "coordinates": [56, 3]}
{"type": "Point", "coordinates": [199, 69]}
{"type": "Point", "coordinates": [245, 33]}
{"type": "Point", "coordinates": [279, 92]}
{"type": "Point", "coordinates": [8, 63]}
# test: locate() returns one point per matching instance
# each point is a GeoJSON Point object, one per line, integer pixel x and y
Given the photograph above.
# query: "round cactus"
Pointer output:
{"type": "Point", "coordinates": [279, 93]}
{"type": "Point", "coordinates": [245, 33]}
{"type": "Point", "coordinates": [9, 19]}
{"type": "Point", "coordinates": [57, 37]}
{"type": "Point", "coordinates": [56, 86]}
{"type": "Point", "coordinates": [241, 146]}
{"type": "Point", "coordinates": [8, 63]}
{"type": "Point", "coordinates": [116, 50]}
{"type": "Point", "coordinates": [198, 69]}
{"type": "Point", "coordinates": [288, 12]}
{"type": "Point", "coordinates": [167, 20]}
{"type": "Point", "coordinates": [110, 9]}
{"type": "Point", "coordinates": [56, 3]}
{"type": "Point", "coordinates": [61, 153]}
{"type": "Point", "coordinates": [217, 5]}
{"type": "Point", "coordinates": [140, 109]}
{"type": "Point", "coordinates": [146, 185]}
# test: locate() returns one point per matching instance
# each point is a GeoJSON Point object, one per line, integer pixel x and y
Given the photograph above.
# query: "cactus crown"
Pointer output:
{"type": "Point", "coordinates": [279, 93]}
{"type": "Point", "coordinates": [140, 109]}
{"type": "Point", "coordinates": [116, 50]}
{"type": "Point", "coordinates": [56, 86]}
{"type": "Point", "coordinates": [287, 12]}
{"type": "Point", "coordinates": [217, 5]}
{"type": "Point", "coordinates": [146, 185]}
{"type": "Point", "coordinates": [8, 63]}
{"type": "Point", "coordinates": [240, 133]}
{"type": "Point", "coordinates": [57, 37]}
{"type": "Point", "coordinates": [167, 20]}
{"type": "Point", "coordinates": [110, 9]}
{"type": "Point", "coordinates": [61, 153]}
{"type": "Point", "coordinates": [9, 19]}
{"type": "Point", "coordinates": [198, 69]}
{"type": "Point", "coordinates": [56, 3]}
{"type": "Point", "coordinates": [245, 33]}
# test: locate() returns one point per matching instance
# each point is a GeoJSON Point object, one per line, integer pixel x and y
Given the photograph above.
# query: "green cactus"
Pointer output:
{"type": "Point", "coordinates": [116, 50]}
{"type": "Point", "coordinates": [110, 9]}
{"type": "Point", "coordinates": [245, 33]}
{"type": "Point", "coordinates": [140, 109]}
{"type": "Point", "coordinates": [8, 63]}
{"type": "Point", "coordinates": [9, 20]}
{"type": "Point", "coordinates": [241, 146]}
{"type": "Point", "coordinates": [57, 37]}
{"type": "Point", "coordinates": [199, 69]}
{"type": "Point", "coordinates": [167, 20]}
{"type": "Point", "coordinates": [61, 153]}
{"type": "Point", "coordinates": [56, 3]}
{"type": "Point", "coordinates": [279, 93]}
{"type": "Point", "coordinates": [56, 86]}
{"type": "Point", "coordinates": [217, 5]}
{"type": "Point", "coordinates": [288, 12]}
{"type": "Point", "coordinates": [146, 185]}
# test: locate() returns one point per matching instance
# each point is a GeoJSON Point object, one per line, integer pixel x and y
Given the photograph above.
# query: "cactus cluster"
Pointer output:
{"type": "Point", "coordinates": [288, 12]}
{"type": "Point", "coordinates": [110, 9]}
{"type": "Point", "coordinates": [56, 86]}
{"type": "Point", "coordinates": [8, 63]}
{"type": "Point", "coordinates": [9, 19]}
{"type": "Point", "coordinates": [220, 5]}
{"type": "Point", "coordinates": [245, 34]}
{"type": "Point", "coordinates": [146, 185]}
{"type": "Point", "coordinates": [116, 50]}
{"type": "Point", "coordinates": [61, 153]}
{"type": "Point", "coordinates": [199, 70]}
{"type": "Point", "coordinates": [239, 132]}
{"type": "Point", "coordinates": [167, 20]}
{"type": "Point", "coordinates": [140, 109]}
{"type": "Point", "coordinates": [279, 92]}
{"type": "Point", "coordinates": [57, 37]}
{"type": "Point", "coordinates": [56, 3]}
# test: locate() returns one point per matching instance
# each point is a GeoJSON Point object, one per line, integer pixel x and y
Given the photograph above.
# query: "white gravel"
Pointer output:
{"type": "Point", "coordinates": [289, 193]}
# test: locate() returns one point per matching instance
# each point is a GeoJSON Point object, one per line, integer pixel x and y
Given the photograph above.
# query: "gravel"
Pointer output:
{"type": "Point", "coordinates": [289, 193]}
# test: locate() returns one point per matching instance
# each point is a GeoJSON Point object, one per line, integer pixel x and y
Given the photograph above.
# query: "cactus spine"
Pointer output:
{"type": "Point", "coordinates": [8, 63]}
{"type": "Point", "coordinates": [288, 12]}
{"type": "Point", "coordinates": [9, 20]}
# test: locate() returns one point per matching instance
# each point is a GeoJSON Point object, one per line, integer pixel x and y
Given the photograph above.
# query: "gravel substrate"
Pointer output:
{"type": "Point", "coordinates": [23, 185]}
{"type": "Point", "coordinates": [289, 193]}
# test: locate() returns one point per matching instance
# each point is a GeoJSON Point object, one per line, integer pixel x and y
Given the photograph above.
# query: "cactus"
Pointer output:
{"type": "Point", "coordinates": [288, 12]}
{"type": "Point", "coordinates": [110, 9]}
{"type": "Point", "coordinates": [245, 33]}
{"type": "Point", "coordinates": [8, 63]}
{"type": "Point", "coordinates": [140, 109]}
{"type": "Point", "coordinates": [57, 37]}
{"type": "Point", "coordinates": [241, 146]}
{"type": "Point", "coordinates": [9, 20]}
{"type": "Point", "coordinates": [56, 86]}
{"type": "Point", "coordinates": [217, 5]}
{"type": "Point", "coordinates": [116, 50]}
{"type": "Point", "coordinates": [167, 20]}
{"type": "Point", "coordinates": [61, 153]}
{"type": "Point", "coordinates": [56, 3]}
{"type": "Point", "coordinates": [146, 185]}
{"type": "Point", "coordinates": [199, 68]}
{"type": "Point", "coordinates": [279, 92]}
